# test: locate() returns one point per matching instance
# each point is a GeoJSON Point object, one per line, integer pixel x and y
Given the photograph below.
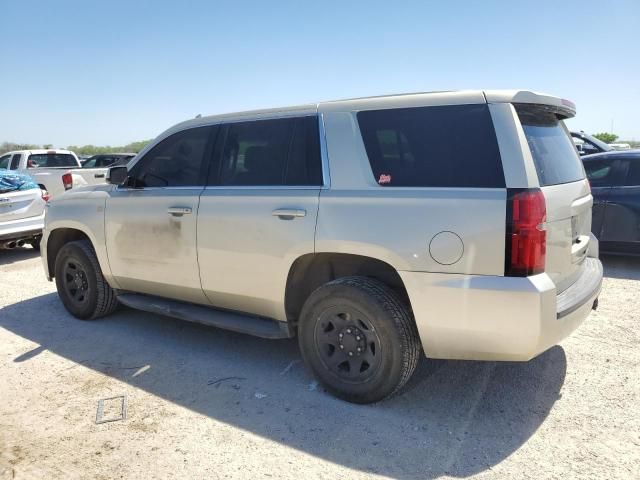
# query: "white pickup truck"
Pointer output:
{"type": "Point", "coordinates": [51, 169]}
{"type": "Point", "coordinates": [94, 169]}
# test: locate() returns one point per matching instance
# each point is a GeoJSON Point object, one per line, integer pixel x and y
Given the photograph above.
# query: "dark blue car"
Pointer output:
{"type": "Point", "coordinates": [615, 185]}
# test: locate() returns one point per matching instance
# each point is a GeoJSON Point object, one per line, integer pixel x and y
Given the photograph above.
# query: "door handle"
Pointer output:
{"type": "Point", "coordinates": [289, 213]}
{"type": "Point", "coordinates": [179, 211]}
{"type": "Point", "coordinates": [99, 175]}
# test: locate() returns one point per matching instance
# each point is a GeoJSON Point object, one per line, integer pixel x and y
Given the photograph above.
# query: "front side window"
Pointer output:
{"type": "Point", "coordinates": [439, 146]}
{"type": "Point", "coordinates": [600, 172]}
{"type": "Point", "coordinates": [90, 163]}
{"type": "Point", "coordinates": [276, 152]}
{"type": "Point", "coordinates": [177, 161]}
{"type": "Point", "coordinates": [5, 160]}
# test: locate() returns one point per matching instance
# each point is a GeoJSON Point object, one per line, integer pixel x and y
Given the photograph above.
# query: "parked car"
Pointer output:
{"type": "Point", "coordinates": [51, 169]}
{"type": "Point", "coordinates": [22, 204]}
{"type": "Point", "coordinates": [588, 144]}
{"type": "Point", "coordinates": [371, 228]}
{"type": "Point", "coordinates": [615, 186]}
{"type": "Point", "coordinates": [620, 146]}
{"type": "Point", "coordinates": [94, 169]}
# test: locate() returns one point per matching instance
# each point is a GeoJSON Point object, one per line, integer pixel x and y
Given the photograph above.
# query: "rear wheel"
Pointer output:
{"type": "Point", "coordinates": [359, 339]}
{"type": "Point", "coordinates": [81, 286]}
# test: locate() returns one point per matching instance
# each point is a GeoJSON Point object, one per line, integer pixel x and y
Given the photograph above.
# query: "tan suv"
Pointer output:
{"type": "Point", "coordinates": [457, 223]}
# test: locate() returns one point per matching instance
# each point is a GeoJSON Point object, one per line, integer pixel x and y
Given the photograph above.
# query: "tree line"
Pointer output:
{"type": "Point", "coordinates": [133, 147]}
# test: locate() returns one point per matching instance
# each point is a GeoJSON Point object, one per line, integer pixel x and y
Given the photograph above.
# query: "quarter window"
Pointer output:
{"type": "Point", "coordinates": [440, 146]}
{"type": "Point", "coordinates": [274, 152]}
{"type": "Point", "coordinates": [177, 161]}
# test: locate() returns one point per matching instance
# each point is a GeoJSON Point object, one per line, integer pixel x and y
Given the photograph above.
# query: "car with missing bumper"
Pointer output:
{"type": "Point", "coordinates": [451, 223]}
{"type": "Point", "coordinates": [22, 204]}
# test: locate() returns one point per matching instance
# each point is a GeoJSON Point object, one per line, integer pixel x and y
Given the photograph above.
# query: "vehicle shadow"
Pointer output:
{"type": "Point", "coordinates": [454, 418]}
{"type": "Point", "coordinates": [623, 267]}
{"type": "Point", "coordinates": [17, 255]}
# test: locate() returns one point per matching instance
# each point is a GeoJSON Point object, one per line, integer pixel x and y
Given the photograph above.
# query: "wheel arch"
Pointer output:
{"type": "Point", "coordinates": [309, 272]}
{"type": "Point", "coordinates": [57, 239]}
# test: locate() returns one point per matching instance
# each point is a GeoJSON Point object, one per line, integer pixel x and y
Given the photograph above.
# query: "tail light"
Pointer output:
{"type": "Point", "coordinates": [45, 195]}
{"type": "Point", "coordinates": [67, 181]}
{"type": "Point", "coordinates": [526, 241]}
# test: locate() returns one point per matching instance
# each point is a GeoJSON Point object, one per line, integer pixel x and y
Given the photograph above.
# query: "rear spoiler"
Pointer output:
{"type": "Point", "coordinates": [565, 108]}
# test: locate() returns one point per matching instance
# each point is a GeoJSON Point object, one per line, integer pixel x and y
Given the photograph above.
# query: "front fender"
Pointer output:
{"type": "Point", "coordinates": [85, 215]}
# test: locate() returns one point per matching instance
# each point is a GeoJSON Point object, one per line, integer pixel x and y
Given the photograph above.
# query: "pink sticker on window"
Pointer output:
{"type": "Point", "coordinates": [384, 178]}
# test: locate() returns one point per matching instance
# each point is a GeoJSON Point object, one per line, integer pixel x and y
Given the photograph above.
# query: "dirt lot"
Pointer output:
{"type": "Point", "coordinates": [574, 412]}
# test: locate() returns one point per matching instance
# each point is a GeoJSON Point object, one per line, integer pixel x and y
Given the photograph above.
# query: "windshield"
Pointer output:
{"type": "Point", "coordinates": [50, 160]}
{"type": "Point", "coordinates": [552, 148]}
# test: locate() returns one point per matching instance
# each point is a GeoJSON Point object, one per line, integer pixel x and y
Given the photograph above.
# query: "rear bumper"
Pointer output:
{"type": "Point", "coordinates": [22, 228]}
{"type": "Point", "coordinates": [498, 318]}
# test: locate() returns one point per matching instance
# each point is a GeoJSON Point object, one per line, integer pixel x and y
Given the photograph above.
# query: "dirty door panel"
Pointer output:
{"type": "Point", "coordinates": [151, 250]}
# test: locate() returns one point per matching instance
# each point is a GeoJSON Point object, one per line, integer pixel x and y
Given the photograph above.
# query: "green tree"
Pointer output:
{"type": "Point", "coordinates": [606, 137]}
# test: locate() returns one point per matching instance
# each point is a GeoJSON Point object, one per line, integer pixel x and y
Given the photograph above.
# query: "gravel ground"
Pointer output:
{"type": "Point", "coordinates": [573, 412]}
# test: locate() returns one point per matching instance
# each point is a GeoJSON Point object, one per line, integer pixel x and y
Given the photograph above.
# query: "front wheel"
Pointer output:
{"type": "Point", "coordinates": [81, 286]}
{"type": "Point", "coordinates": [359, 339]}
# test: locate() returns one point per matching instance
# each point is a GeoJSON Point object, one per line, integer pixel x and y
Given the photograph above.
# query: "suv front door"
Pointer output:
{"type": "Point", "coordinates": [150, 221]}
{"type": "Point", "coordinates": [258, 213]}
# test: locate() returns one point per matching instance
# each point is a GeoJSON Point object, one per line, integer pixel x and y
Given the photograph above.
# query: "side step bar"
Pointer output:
{"type": "Point", "coordinates": [237, 322]}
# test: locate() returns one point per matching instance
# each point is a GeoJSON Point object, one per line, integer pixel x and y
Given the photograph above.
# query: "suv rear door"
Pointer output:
{"type": "Point", "coordinates": [258, 213]}
{"type": "Point", "coordinates": [567, 194]}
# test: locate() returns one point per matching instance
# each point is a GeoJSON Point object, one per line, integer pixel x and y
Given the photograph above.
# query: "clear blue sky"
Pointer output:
{"type": "Point", "coordinates": [112, 72]}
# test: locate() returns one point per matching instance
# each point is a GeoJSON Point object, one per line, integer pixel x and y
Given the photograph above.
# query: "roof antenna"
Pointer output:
{"type": "Point", "coordinates": [199, 115]}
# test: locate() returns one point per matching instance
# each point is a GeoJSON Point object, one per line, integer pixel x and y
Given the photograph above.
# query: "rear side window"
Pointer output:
{"type": "Point", "coordinates": [276, 152]}
{"type": "Point", "coordinates": [600, 172]}
{"type": "Point", "coordinates": [633, 174]}
{"type": "Point", "coordinates": [552, 148]}
{"type": "Point", "coordinates": [50, 160]}
{"type": "Point", "coordinates": [15, 161]}
{"type": "Point", "coordinates": [442, 146]}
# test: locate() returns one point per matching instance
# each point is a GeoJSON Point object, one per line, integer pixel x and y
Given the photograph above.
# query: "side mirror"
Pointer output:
{"type": "Point", "coordinates": [117, 175]}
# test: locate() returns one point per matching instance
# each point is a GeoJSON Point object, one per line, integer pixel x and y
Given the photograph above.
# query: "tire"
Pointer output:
{"type": "Point", "coordinates": [81, 287]}
{"type": "Point", "coordinates": [365, 319]}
